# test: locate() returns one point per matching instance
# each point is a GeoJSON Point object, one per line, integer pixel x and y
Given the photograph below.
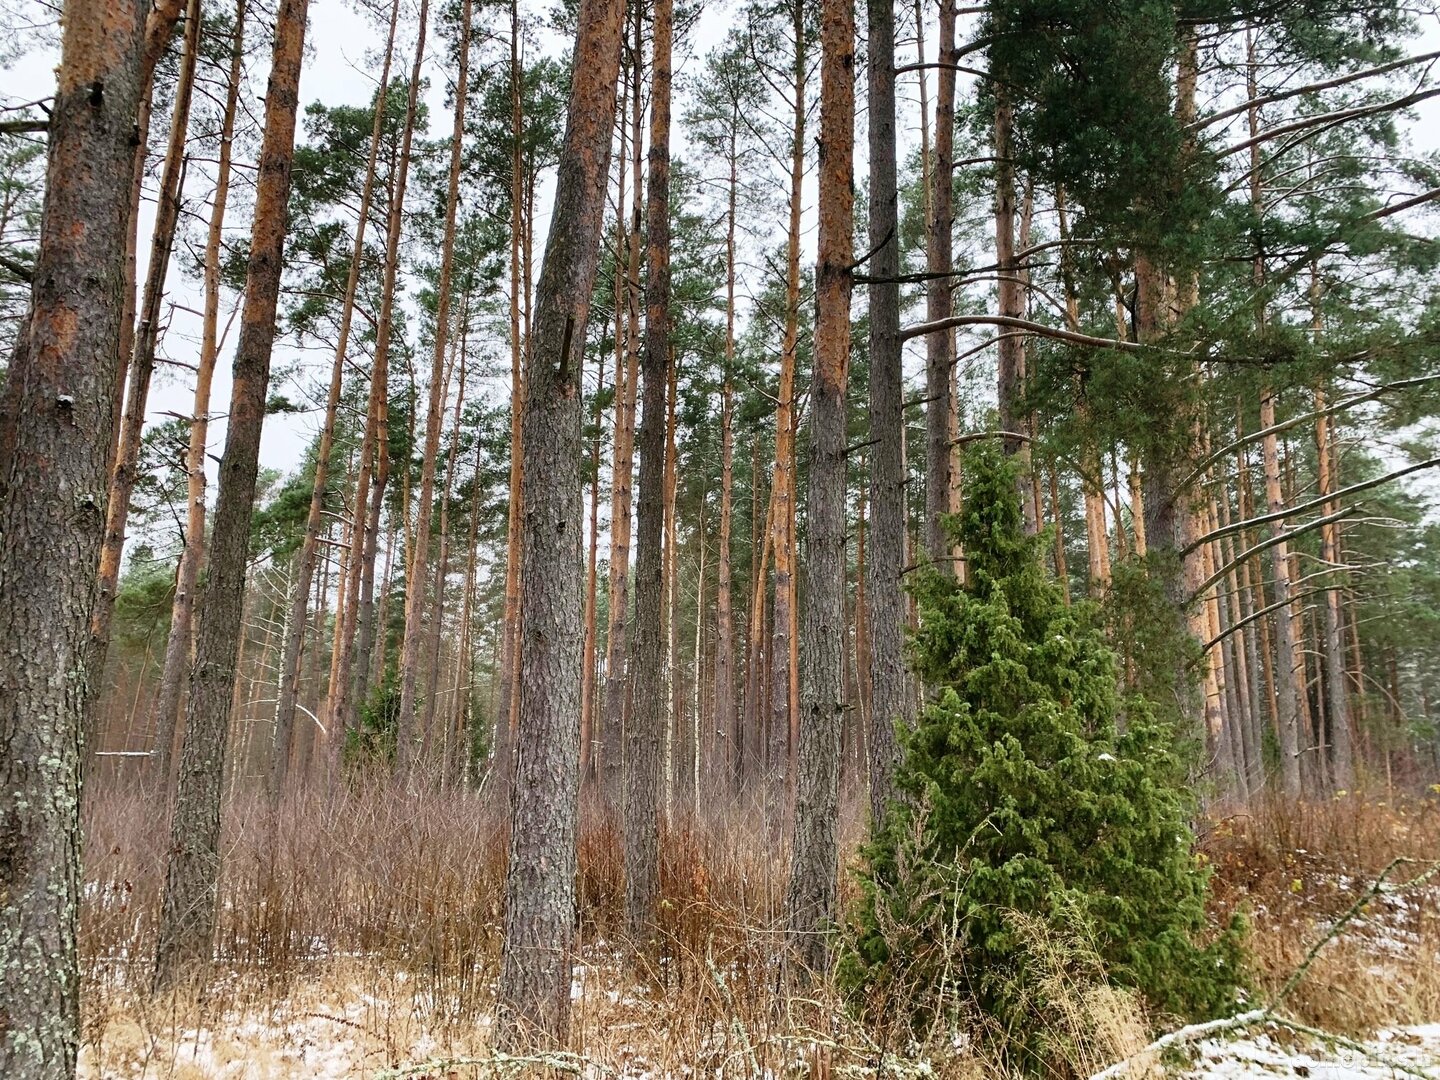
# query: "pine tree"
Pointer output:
{"type": "Point", "coordinates": [1024, 797]}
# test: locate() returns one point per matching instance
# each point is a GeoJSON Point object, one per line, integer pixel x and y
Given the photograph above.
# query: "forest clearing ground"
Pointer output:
{"type": "Point", "coordinates": [366, 940]}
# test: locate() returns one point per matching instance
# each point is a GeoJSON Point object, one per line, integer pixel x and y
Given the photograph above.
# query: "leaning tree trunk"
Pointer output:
{"type": "Point", "coordinates": [407, 736]}
{"type": "Point", "coordinates": [642, 742]}
{"type": "Point", "coordinates": [182, 610]}
{"type": "Point", "coordinates": [187, 917]}
{"type": "Point", "coordinates": [892, 699]}
{"type": "Point", "coordinates": [53, 464]}
{"type": "Point", "coordinates": [534, 991]}
{"type": "Point", "coordinates": [810, 897]}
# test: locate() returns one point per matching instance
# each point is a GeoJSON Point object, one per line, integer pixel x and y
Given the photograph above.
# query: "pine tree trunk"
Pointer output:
{"type": "Point", "coordinates": [407, 735]}
{"type": "Point", "coordinates": [643, 735]}
{"type": "Point", "coordinates": [892, 696]}
{"type": "Point", "coordinates": [506, 712]}
{"type": "Point", "coordinates": [1286, 700]}
{"type": "Point", "coordinates": [723, 722]}
{"type": "Point", "coordinates": [305, 568]}
{"type": "Point", "coordinates": [940, 346]}
{"type": "Point", "coordinates": [534, 990]}
{"type": "Point", "coordinates": [187, 917]}
{"type": "Point", "coordinates": [781, 637]}
{"type": "Point", "coordinates": [1011, 295]}
{"type": "Point", "coordinates": [1337, 700]}
{"type": "Point", "coordinates": [623, 469]}
{"type": "Point", "coordinates": [367, 672]}
{"type": "Point", "coordinates": [178, 643]}
{"type": "Point", "coordinates": [59, 412]}
{"type": "Point", "coordinates": [442, 562]}
{"type": "Point", "coordinates": [141, 362]}
{"type": "Point", "coordinates": [672, 600]}
{"type": "Point", "coordinates": [810, 897]}
{"type": "Point", "coordinates": [592, 584]}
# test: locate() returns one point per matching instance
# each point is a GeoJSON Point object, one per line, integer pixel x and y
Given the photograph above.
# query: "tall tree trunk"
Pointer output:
{"type": "Point", "coordinates": [892, 697]}
{"type": "Point", "coordinates": [810, 897]}
{"type": "Point", "coordinates": [623, 469]}
{"type": "Point", "coordinates": [675, 711]}
{"type": "Point", "coordinates": [1286, 699]}
{"type": "Point", "coordinates": [1336, 696]}
{"type": "Point", "coordinates": [724, 720]}
{"type": "Point", "coordinates": [367, 672]}
{"type": "Point", "coordinates": [442, 562]}
{"type": "Point", "coordinates": [309, 546]}
{"type": "Point", "coordinates": [187, 918]}
{"type": "Point", "coordinates": [534, 991]}
{"type": "Point", "coordinates": [178, 643]}
{"type": "Point", "coordinates": [407, 736]}
{"type": "Point", "coordinates": [781, 637]}
{"type": "Point", "coordinates": [507, 708]}
{"type": "Point", "coordinates": [592, 581]}
{"type": "Point", "coordinates": [1010, 290]}
{"type": "Point", "coordinates": [643, 734]}
{"type": "Point", "coordinates": [59, 412]}
{"type": "Point", "coordinates": [940, 346]}
{"type": "Point", "coordinates": [141, 362]}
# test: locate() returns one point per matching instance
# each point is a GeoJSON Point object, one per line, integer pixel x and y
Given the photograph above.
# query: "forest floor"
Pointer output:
{"type": "Point", "coordinates": [360, 940]}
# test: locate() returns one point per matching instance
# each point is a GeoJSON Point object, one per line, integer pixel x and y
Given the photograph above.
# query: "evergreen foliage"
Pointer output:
{"type": "Point", "coordinates": [1023, 798]}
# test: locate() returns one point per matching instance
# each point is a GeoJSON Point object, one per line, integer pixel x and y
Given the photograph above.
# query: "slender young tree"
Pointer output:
{"type": "Point", "coordinates": [187, 917]}
{"type": "Point", "coordinates": [783, 631]}
{"type": "Point", "coordinates": [288, 692]}
{"type": "Point", "coordinates": [506, 715]}
{"type": "Point", "coordinates": [407, 736]}
{"type": "Point", "coordinates": [810, 897]}
{"type": "Point", "coordinates": [534, 990]}
{"type": "Point", "coordinates": [54, 447]}
{"type": "Point", "coordinates": [366, 667]}
{"type": "Point", "coordinates": [182, 610]}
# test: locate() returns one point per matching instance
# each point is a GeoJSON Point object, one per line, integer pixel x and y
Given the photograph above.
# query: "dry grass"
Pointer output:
{"type": "Point", "coordinates": [360, 930]}
{"type": "Point", "coordinates": [1295, 870]}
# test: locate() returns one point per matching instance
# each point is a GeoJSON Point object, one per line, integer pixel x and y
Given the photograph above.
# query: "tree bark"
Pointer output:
{"type": "Point", "coordinates": [53, 470]}
{"type": "Point", "coordinates": [178, 643]}
{"type": "Point", "coordinates": [892, 697]}
{"type": "Point", "coordinates": [940, 346]}
{"type": "Point", "coordinates": [141, 364]}
{"type": "Point", "coordinates": [810, 897]}
{"type": "Point", "coordinates": [643, 735]}
{"type": "Point", "coordinates": [534, 991]}
{"type": "Point", "coordinates": [187, 917]}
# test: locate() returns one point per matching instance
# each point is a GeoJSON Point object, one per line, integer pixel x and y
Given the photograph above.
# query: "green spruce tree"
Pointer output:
{"type": "Point", "coordinates": [1023, 797]}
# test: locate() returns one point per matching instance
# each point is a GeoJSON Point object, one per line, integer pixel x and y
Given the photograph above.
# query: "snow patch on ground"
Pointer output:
{"type": "Point", "coordinates": [1390, 1055]}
